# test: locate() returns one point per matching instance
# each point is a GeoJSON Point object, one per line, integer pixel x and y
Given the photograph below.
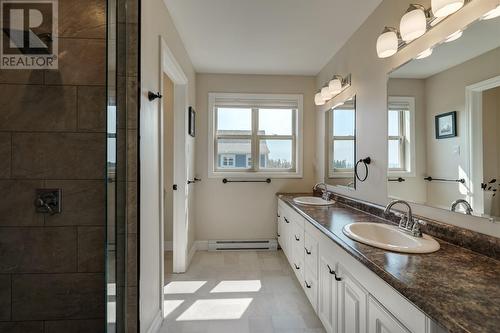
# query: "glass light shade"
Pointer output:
{"type": "Point", "coordinates": [454, 36]}
{"type": "Point", "coordinates": [325, 93]}
{"type": "Point", "coordinates": [492, 14]}
{"type": "Point", "coordinates": [424, 54]}
{"type": "Point", "coordinates": [335, 86]}
{"type": "Point", "coordinates": [318, 100]}
{"type": "Point", "coordinates": [387, 44]}
{"type": "Point", "coordinates": [413, 25]}
{"type": "Point", "coordinates": [441, 8]}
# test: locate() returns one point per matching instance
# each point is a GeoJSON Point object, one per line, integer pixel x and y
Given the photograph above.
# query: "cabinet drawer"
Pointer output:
{"type": "Point", "coordinates": [311, 289]}
{"type": "Point", "coordinates": [297, 263]}
{"type": "Point", "coordinates": [311, 249]}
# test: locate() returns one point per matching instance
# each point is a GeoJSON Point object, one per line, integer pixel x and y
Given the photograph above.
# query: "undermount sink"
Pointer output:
{"type": "Point", "coordinates": [389, 237]}
{"type": "Point", "coordinates": [312, 201]}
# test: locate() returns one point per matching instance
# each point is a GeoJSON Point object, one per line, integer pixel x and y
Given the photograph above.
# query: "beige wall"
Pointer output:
{"type": "Point", "coordinates": [246, 211]}
{"type": "Point", "coordinates": [156, 21]}
{"type": "Point", "coordinates": [369, 83]}
{"type": "Point", "coordinates": [491, 140]}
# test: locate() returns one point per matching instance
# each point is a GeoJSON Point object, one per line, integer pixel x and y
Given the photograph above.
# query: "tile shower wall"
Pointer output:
{"type": "Point", "coordinates": [52, 135]}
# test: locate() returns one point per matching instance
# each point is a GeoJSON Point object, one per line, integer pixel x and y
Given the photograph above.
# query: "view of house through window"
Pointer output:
{"type": "Point", "coordinates": [255, 137]}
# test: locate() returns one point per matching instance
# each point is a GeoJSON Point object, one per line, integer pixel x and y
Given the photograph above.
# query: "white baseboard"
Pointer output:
{"type": "Point", "coordinates": [191, 253]}
{"type": "Point", "coordinates": [168, 246]}
{"type": "Point", "coordinates": [156, 324]}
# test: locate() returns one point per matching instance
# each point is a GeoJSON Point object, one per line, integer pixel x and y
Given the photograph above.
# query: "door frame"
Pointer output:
{"type": "Point", "coordinates": [170, 67]}
{"type": "Point", "coordinates": [474, 111]}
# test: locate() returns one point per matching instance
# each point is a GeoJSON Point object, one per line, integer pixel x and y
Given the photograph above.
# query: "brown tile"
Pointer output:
{"type": "Point", "coordinates": [37, 108]}
{"type": "Point", "coordinates": [5, 284]}
{"type": "Point", "coordinates": [17, 76]}
{"type": "Point", "coordinates": [132, 260]}
{"type": "Point", "coordinates": [92, 109]}
{"type": "Point", "coordinates": [22, 327]}
{"type": "Point", "coordinates": [82, 19]}
{"type": "Point", "coordinates": [38, 250]}
{"type": "Point", "coordinates": [132, 207]}
{"type": "Point", "coordinates": [132, 103]}
{"type": "Point", "coordinates": [59, 155]}
{"type": "Point", "coordinates": [5, 154]}
{"type": "Point", "coordinates": [19, 210]}
{"type": "Point", "coordinates": [91, 249]}
{"type": "Point", "coordinates": [132, 310]}
{"type": "Point", "coordinates": [81, 62]}
{"type": "Point", "coordinates": [75, 326]}
{"type": "Point", "coordinates": [132, 155]}
{"type": "Point", "coordinates": [57, 296]}
{"type": "Point", "coordinates": [83, 202]}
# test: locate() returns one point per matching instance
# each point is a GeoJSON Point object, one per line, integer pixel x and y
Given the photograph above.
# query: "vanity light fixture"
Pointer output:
{"type": "Point", "coordinates": [436, 20]}
{"type": "Point", "coordinates": [387, 42]}
{"type": "Point", "coordinates": [442, 8]}
{"type": "Point", "coordinates": [491, 14]}
{"type": "Point", "coordinates": [318, 99]}
{"type": "Point", "coordinates": [424, 54]}
{"type": "Point", "coordinates": [413, 23]}
{"type": "Point", "coordinates": [454, 36]}
{"type": "Point", "coordinates": [334, 87]}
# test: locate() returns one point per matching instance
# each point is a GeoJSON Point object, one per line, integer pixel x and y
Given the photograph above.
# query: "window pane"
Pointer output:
{"type": "Point", "coordinates": [275, 154]}
{"type": "Point", "coordinates": [394, 154]}
{"type": "Point", "coordinates": [234, 121]}
{"type": "Point", "coordinates": [343, 154]}
{"type": "Point", "coordinates": [394, 123]}
{"type": "Point", "coordinates": [343, 122]}
{"type": "Point", "coordinates": [275, 121]}
{"type": "Point", "coordinates": [234, 153]}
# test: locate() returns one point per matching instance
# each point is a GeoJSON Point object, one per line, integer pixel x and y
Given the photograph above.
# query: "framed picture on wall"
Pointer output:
{"type": "Point", "coordinates": [192, 122]}
{"type": "Point", "coordinates": [446, 125]}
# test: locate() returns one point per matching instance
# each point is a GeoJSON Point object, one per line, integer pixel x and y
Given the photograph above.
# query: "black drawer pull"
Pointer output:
{"type": "Point", "coordinates": [286, 220]}
{"type": "Point", "coordinates": [307, 251]}
{"type": "Point", "coordinates": [308, 286]}
{"type": "Point", "coordinates": [297, 238]}
{"type": "Point", "coordinates": [333, 273]}
{"type": "Point", "coordinates": [279, 235]}
{"type": "Point", "coordinates": [278, 215]}
{"type": "Point", "coordinates": [296, 267]}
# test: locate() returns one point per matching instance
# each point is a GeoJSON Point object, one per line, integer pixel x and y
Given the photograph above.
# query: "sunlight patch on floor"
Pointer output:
{"type": "Point", "coordinates": [183, 287]}
{"type": "Point", "coordinates": [216, 309]}
{"type": "Point", "coordinates": [170, 305]}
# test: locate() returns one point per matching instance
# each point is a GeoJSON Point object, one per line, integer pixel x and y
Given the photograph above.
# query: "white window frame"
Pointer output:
{"type": "Point", "coordinates": [254, 102]}
{"type": "Point", "coordinates": [406, 137]}
{"type": "Point", "coordinates": [336, 172]}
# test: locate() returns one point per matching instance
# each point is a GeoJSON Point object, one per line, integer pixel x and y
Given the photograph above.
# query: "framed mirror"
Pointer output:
{"type": "Point", "coordinates": [443, 124]}
{"type": "Point", "coordinates": [340, 136]}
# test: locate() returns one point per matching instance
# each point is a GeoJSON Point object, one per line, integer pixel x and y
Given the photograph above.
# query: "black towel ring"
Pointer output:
{"type": "Point", "coordinates": [365, 162]}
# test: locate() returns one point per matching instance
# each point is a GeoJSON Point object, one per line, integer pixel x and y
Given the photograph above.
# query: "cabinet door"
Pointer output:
{"type": "Point", "coordinates": [352, 304]}
{"type": "Point", "coordinates": [327, 294]}
{"type": "Point", "coordinates": [286, 234]}
{"type": "Point", "coordinates": [381, 321]}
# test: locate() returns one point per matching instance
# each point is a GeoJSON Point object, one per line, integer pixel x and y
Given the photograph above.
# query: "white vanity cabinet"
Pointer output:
{"type": "Point", "coordinates": [346, 295]}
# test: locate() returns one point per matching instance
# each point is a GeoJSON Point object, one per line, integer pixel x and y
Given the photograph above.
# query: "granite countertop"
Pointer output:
{"type": "Point", "coordinates": [458, 288]}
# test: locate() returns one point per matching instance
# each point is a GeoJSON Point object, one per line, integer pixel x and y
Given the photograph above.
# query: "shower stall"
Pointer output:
{"type": "Point", "coordinates": [68, 166]}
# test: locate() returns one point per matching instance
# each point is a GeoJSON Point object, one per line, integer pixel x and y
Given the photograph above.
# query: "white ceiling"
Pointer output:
{"type": "Point", "coordinates": [477, 39]}
{"type": "Point", "coordinates": [266, 36]}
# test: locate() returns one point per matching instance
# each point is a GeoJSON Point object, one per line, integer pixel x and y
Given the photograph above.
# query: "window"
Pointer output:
{"type": "Point", "coordinates": [341, 129]}
{"type": "Point", "coordinates": [254, 135]}
{"type": "Point", "coordinates": [401, 143]}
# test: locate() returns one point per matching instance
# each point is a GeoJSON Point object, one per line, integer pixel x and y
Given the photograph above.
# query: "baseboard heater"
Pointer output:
{"type": "Point", "coordinates": [243, 245]}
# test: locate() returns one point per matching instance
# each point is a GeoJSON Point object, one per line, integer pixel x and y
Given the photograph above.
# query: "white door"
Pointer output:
{"type": "Point", "coordinates": [352, 304]}
{"type": "Point", "coordinates": [327, 294]}
{"type": "Point", "coordinates": [381, 321]}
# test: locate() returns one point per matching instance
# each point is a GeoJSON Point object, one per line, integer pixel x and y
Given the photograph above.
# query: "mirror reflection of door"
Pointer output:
{"type": "Point", "coordinates": [443, 118]}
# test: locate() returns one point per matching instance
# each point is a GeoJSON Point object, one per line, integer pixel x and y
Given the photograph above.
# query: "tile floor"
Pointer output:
{"type": "Point", "coordinates": [238, 292]}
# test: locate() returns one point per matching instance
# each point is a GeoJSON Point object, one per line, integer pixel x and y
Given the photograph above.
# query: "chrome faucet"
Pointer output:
{"type": "Point", "coordinates": [462, 202]}
{"type": "Point", "coordinates": [324, 192]}
{"type": "Point", "coordinates": [407, 223]}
